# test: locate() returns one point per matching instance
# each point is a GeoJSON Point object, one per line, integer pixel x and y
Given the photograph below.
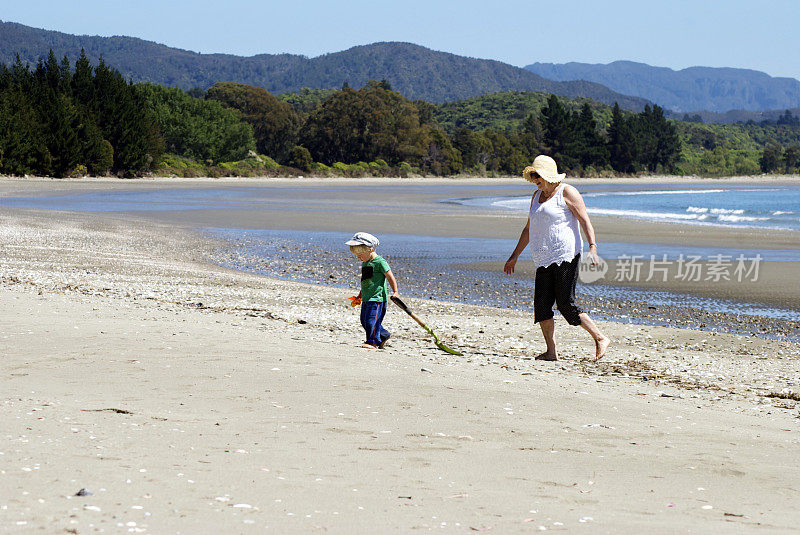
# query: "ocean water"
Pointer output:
{"type": "Point", "coordinates": [769, 207]}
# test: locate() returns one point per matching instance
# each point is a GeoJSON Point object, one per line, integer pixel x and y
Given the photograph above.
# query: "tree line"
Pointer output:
{"type": "Point", "coordinates": [59, 120]}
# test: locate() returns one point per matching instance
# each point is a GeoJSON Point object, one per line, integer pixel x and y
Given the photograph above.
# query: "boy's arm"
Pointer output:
{"type": "Point", "coordinates": [392, 282]}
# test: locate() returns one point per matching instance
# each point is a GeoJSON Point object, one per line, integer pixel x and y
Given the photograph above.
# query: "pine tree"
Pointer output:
{"type": "Point", "coordinates": [621, 145]}
{"type": "Point", "coordinates": [586, 145]}
{"type": "Point", "coordinates": [668, 148]}
{"type": "Point", "coordinates": [21, 148]}
{"type": "Point", "coordinates": [82, 82]}
{"type": "Point", "coordinates": [557, 131]}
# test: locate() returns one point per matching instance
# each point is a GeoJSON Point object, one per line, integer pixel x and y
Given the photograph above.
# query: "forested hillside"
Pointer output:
{"type": "Point", "coordinates": [414, 71]}
{"type": "Point", "coordinates": [706, 149]}
{"type": "Point", "coordinates": [507, 111]}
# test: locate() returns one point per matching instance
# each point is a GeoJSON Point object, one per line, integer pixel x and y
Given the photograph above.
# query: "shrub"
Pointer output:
{"type": "Point", "coordinates": [300, 158]}
{"type": "Point", "coordinates": [80, 170]}
{"type": "Point", "coordinates": [405, 169]}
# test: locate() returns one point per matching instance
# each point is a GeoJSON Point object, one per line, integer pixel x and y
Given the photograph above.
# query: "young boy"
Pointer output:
{"type": "Point", "coordinates": [375, 272]}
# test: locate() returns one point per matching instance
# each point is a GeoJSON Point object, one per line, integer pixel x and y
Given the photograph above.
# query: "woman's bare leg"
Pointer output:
{"type": "Point", "coordinates": [601, 341]}
{"type": "Point", "coordinates": [549, 332]}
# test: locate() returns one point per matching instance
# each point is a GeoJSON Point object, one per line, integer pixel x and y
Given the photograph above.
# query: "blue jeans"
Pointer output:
{"type": "Point", "coordinates": [372, 313]}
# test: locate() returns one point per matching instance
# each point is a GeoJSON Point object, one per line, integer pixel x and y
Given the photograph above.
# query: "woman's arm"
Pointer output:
{"type": "Point", "coordinates": [524, 237]}
{"type": "Point", "coordinates": [578, 208]}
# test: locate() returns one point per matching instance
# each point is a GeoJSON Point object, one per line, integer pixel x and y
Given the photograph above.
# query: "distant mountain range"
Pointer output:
{"type": "Point", "coordinates": [688, 90]}
{"type": "Point", "coordinates": [414, 71]}
{"type": "Point", "coordinates": [420, 73]}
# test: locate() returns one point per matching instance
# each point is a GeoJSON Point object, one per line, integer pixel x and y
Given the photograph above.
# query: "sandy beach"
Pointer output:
{"type": "Point", "coordinates": [190, 398]}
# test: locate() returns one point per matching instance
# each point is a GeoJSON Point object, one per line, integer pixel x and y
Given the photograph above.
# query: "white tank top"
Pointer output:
{"type": "Point", "coordinates": [554, 233]}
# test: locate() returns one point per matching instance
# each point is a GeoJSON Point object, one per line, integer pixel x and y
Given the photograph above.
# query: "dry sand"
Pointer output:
{"type": "Point", "coordinates": [193, 399]}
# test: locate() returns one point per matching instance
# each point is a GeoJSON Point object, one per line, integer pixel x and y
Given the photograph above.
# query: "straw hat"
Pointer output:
{"type": "Point", "coordinates": [545, 167]}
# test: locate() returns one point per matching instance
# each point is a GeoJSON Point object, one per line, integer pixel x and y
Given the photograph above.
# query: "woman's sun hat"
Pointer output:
{"type": "Point", "coordinates": [545, 167]}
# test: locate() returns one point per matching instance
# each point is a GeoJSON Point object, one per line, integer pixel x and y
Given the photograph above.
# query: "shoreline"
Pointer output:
{"type": "Point", "coordinates": [310, 205]}
{"type": "Point", "coordinates": [196, 399]}
{"type": "Point", "coordinates": [656, 179]}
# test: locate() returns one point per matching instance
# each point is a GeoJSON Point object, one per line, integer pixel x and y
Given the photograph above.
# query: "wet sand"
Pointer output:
{"type": "Point", "coordinates": [188, 398]}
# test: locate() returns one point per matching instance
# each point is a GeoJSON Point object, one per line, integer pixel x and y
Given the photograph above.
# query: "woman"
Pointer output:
{"type": "Point", "coordinates": [557, 210]}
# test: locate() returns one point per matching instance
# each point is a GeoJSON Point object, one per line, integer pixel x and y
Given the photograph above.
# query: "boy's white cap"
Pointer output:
{"type": "Point", "coordinates": [363, 238]}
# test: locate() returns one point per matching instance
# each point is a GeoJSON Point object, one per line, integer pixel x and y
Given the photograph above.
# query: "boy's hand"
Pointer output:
{"type": "Point", "coordinates": [355, 301]}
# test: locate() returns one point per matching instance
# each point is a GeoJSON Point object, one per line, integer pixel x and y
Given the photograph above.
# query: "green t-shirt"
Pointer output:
{"type": "Point", "coordinates": [373, 279]}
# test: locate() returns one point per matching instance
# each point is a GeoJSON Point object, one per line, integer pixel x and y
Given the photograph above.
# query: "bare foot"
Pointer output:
{"type": "Point", "coordinates": [601, 345]}
{"type": "Point", "coordinates": [369, 346]}
{"type": "Point", "coordinates": [547, 356]}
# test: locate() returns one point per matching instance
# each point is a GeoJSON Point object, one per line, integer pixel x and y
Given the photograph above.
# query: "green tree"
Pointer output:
{"type": "Point", "coordinates": [657, 141]}
{"type": "Point", "coordinates": [21, 148]}
{"type": "Point", "coordinates": [365, 125]}
{"type": "Point", "coordinates": [275, 123]}
{"type": "Point", "coordinates": [82, 82]}
{"type": "Point", "coordinates": [586, 145]}
{"type": "Point", "coordinates": [474, 148]}
{"type": "Point", "coordinates": [621, 145]}
{"type": "Point", "coordinates": [771, 158]}
{"type": "Point", "coordinates": [199, 129]}
{"type": "Point", "coordinates": [426, 111]}
{"type": "Point", "coordinates": [57, 115]}
{"type": "Point", "coordinates": [503, 156]}
{"type": "Point", "coordinates": [791, 159]}
{"type": "Point", "coordinates": [558, 131]}
{"type": "Point", "coordinates": [300, 158]}
{"type": "Point", "coordinates": [441, 158]}
{"type": "Point", "coordinates": [306, 100]}
{"type": "Point", "coordinates": [126, 121]}
{"type": "Point", "coordinates": [531, 125]}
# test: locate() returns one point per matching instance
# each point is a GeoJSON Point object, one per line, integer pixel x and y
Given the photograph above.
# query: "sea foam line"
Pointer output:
{"type": "Point", "coordinates": [645, 215]}
{"type": "Point", "coordinates": [703, 210]}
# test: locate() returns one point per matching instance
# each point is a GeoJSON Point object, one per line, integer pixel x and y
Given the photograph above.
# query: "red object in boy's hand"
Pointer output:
{"type": "Point", "coordinates": [354, 301]}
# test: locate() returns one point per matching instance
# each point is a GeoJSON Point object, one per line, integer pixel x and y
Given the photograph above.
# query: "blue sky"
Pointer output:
{"type": "Point", "coordinates": [761, 35]}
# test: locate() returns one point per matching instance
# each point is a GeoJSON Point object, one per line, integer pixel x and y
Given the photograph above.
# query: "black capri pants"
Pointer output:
{"type": "Point", "coordinates": [555, 284]}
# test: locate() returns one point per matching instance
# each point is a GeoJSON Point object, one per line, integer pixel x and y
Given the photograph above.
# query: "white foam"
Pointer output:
{"type": "Point", "coordinates": [739, 218]}
{"type": "Point", "coordinates": [726, 211]}
{"type": "Point", "coordinates": [514, 204]}
{"type": "Point", "coordinates": [644, 215]}
{"type": "Point", "coordinates": [703, 210]}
